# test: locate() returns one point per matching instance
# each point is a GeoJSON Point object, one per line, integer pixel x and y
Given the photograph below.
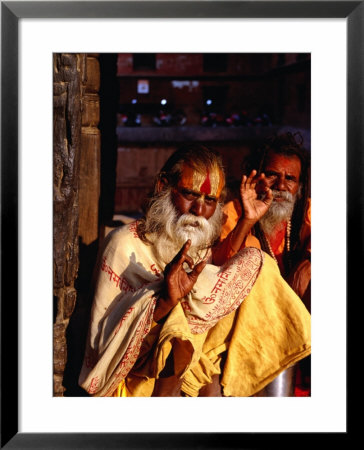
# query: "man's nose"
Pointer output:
{"type": "Point", "coordinates": [198, 207]}
{"type": "Point", "coordinates": [280, 184]}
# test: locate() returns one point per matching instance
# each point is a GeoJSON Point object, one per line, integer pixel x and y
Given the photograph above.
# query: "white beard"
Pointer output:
{"type": "Point", "coordinates": [278, 212]}
{"type": "Point", "coordinates": [173, 231]}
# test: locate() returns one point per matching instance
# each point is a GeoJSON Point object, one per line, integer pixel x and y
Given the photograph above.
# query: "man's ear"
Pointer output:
{"type": "Point", "coordinates": [161, 184]}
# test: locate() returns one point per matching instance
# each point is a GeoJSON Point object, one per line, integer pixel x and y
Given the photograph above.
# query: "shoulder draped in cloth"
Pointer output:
{"type": "Point", "coordinates": [125, 344]}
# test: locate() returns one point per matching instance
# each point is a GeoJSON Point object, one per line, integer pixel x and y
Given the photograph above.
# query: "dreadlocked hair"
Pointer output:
{"type": "Point", "coordinates": [289, 145]}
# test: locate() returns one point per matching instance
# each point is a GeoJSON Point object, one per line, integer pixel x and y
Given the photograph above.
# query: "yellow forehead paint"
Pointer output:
{"type": "Point", "coordinates": [208, 183]}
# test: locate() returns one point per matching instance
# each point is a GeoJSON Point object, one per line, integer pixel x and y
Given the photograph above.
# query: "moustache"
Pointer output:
{"type": "Point", "coordinates": [189, 220]}
{"type": "Point", "coordinates": [284, 195]}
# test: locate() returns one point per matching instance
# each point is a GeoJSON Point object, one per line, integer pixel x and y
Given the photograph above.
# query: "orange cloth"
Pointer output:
{"type": "Point", "coordinates": [232, 213]}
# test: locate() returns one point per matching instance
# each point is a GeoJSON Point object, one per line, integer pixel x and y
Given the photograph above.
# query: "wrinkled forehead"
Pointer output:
{"type": "Point", "coordinates": [209, 182]}
{"type": "Point", "coordinates": [282, 161]}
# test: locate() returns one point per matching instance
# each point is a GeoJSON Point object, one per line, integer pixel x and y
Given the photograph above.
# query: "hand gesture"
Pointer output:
{"type": "Point", "coordinates": [250, 188]}
{"type": "Point", "coordinates": [178, 282]}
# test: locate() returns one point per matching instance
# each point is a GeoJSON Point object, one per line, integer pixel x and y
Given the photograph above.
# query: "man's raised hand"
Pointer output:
{"type": "Point", "coordinates": [177, 282]}
{"type": "Point", "coordinates": [250, 188]}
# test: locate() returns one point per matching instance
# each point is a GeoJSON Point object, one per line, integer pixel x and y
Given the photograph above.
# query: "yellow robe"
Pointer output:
{"type": "Point", "coordinates": [267, 333]}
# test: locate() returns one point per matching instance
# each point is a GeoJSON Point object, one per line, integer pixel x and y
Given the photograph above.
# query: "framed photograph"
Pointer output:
{"type": "Point", "coordinates": [35, 413]}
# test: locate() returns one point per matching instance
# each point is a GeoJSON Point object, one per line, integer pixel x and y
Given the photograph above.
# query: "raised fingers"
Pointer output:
{"type": "Point", "coordinates": [182, 255]}
{"type": "Point", "coordinates": [184, 249]}
{"type": "Point", "coordinates": [248, 179]}
{"type": "Point", "coordinates": [262, 184]}
{"type": "Point", "coordinates": [249, 182]}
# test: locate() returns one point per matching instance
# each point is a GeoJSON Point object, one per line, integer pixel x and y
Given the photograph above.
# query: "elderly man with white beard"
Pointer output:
{"type": "Point", "coordinates": [284, 231]}
{"type": "Point", "coordinates": [163, 315]}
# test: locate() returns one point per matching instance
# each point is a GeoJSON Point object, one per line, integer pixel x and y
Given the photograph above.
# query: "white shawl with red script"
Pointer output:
{"type": "Point", "coordinates": [128, 281]}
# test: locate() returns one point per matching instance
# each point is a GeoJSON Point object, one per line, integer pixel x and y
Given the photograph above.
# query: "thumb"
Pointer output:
{"type": "Point", "coordinates": [269, 196]}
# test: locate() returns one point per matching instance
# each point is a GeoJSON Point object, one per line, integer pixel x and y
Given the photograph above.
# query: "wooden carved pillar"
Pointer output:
{"type": "Point", "coordinates": [90, 154]}
{"type": "Point", "coordinates": [67, 80]}
{"type": "Point", "coordinates": [75, 188]}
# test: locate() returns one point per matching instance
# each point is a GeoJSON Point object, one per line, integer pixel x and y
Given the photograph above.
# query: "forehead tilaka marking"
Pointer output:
{"type": "Point", "coordinates": [208, 183]}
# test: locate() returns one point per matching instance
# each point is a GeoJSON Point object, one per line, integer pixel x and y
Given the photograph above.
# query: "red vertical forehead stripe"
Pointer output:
{"type": "Point", "coordinates": [209, 183]}
{"type": "Point", "coordinates": [206, 185]}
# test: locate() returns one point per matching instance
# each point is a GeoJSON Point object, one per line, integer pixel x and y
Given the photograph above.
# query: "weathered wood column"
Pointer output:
{"type": "Point", "coordinates": [76, 186]}
{"type": "Point", "coordinates": [68, 69]}
{"type": "Point", "coordinates": [89, 193]}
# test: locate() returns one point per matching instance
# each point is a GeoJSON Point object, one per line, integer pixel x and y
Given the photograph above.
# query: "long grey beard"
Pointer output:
{"type": "Point", "coordinates": [278, 212]}
{"type": "Point", "coordinates": [168, 232]}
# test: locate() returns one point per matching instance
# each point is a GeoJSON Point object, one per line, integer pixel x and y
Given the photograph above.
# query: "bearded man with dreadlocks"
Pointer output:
{"type": "Point", "coordinates": [284, 231]}
{"type": "Point", "coordinates": [164, 315]}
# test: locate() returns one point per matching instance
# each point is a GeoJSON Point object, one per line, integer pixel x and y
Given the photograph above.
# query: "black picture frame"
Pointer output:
{"type": "Point", "coordinates": [11, 12]}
